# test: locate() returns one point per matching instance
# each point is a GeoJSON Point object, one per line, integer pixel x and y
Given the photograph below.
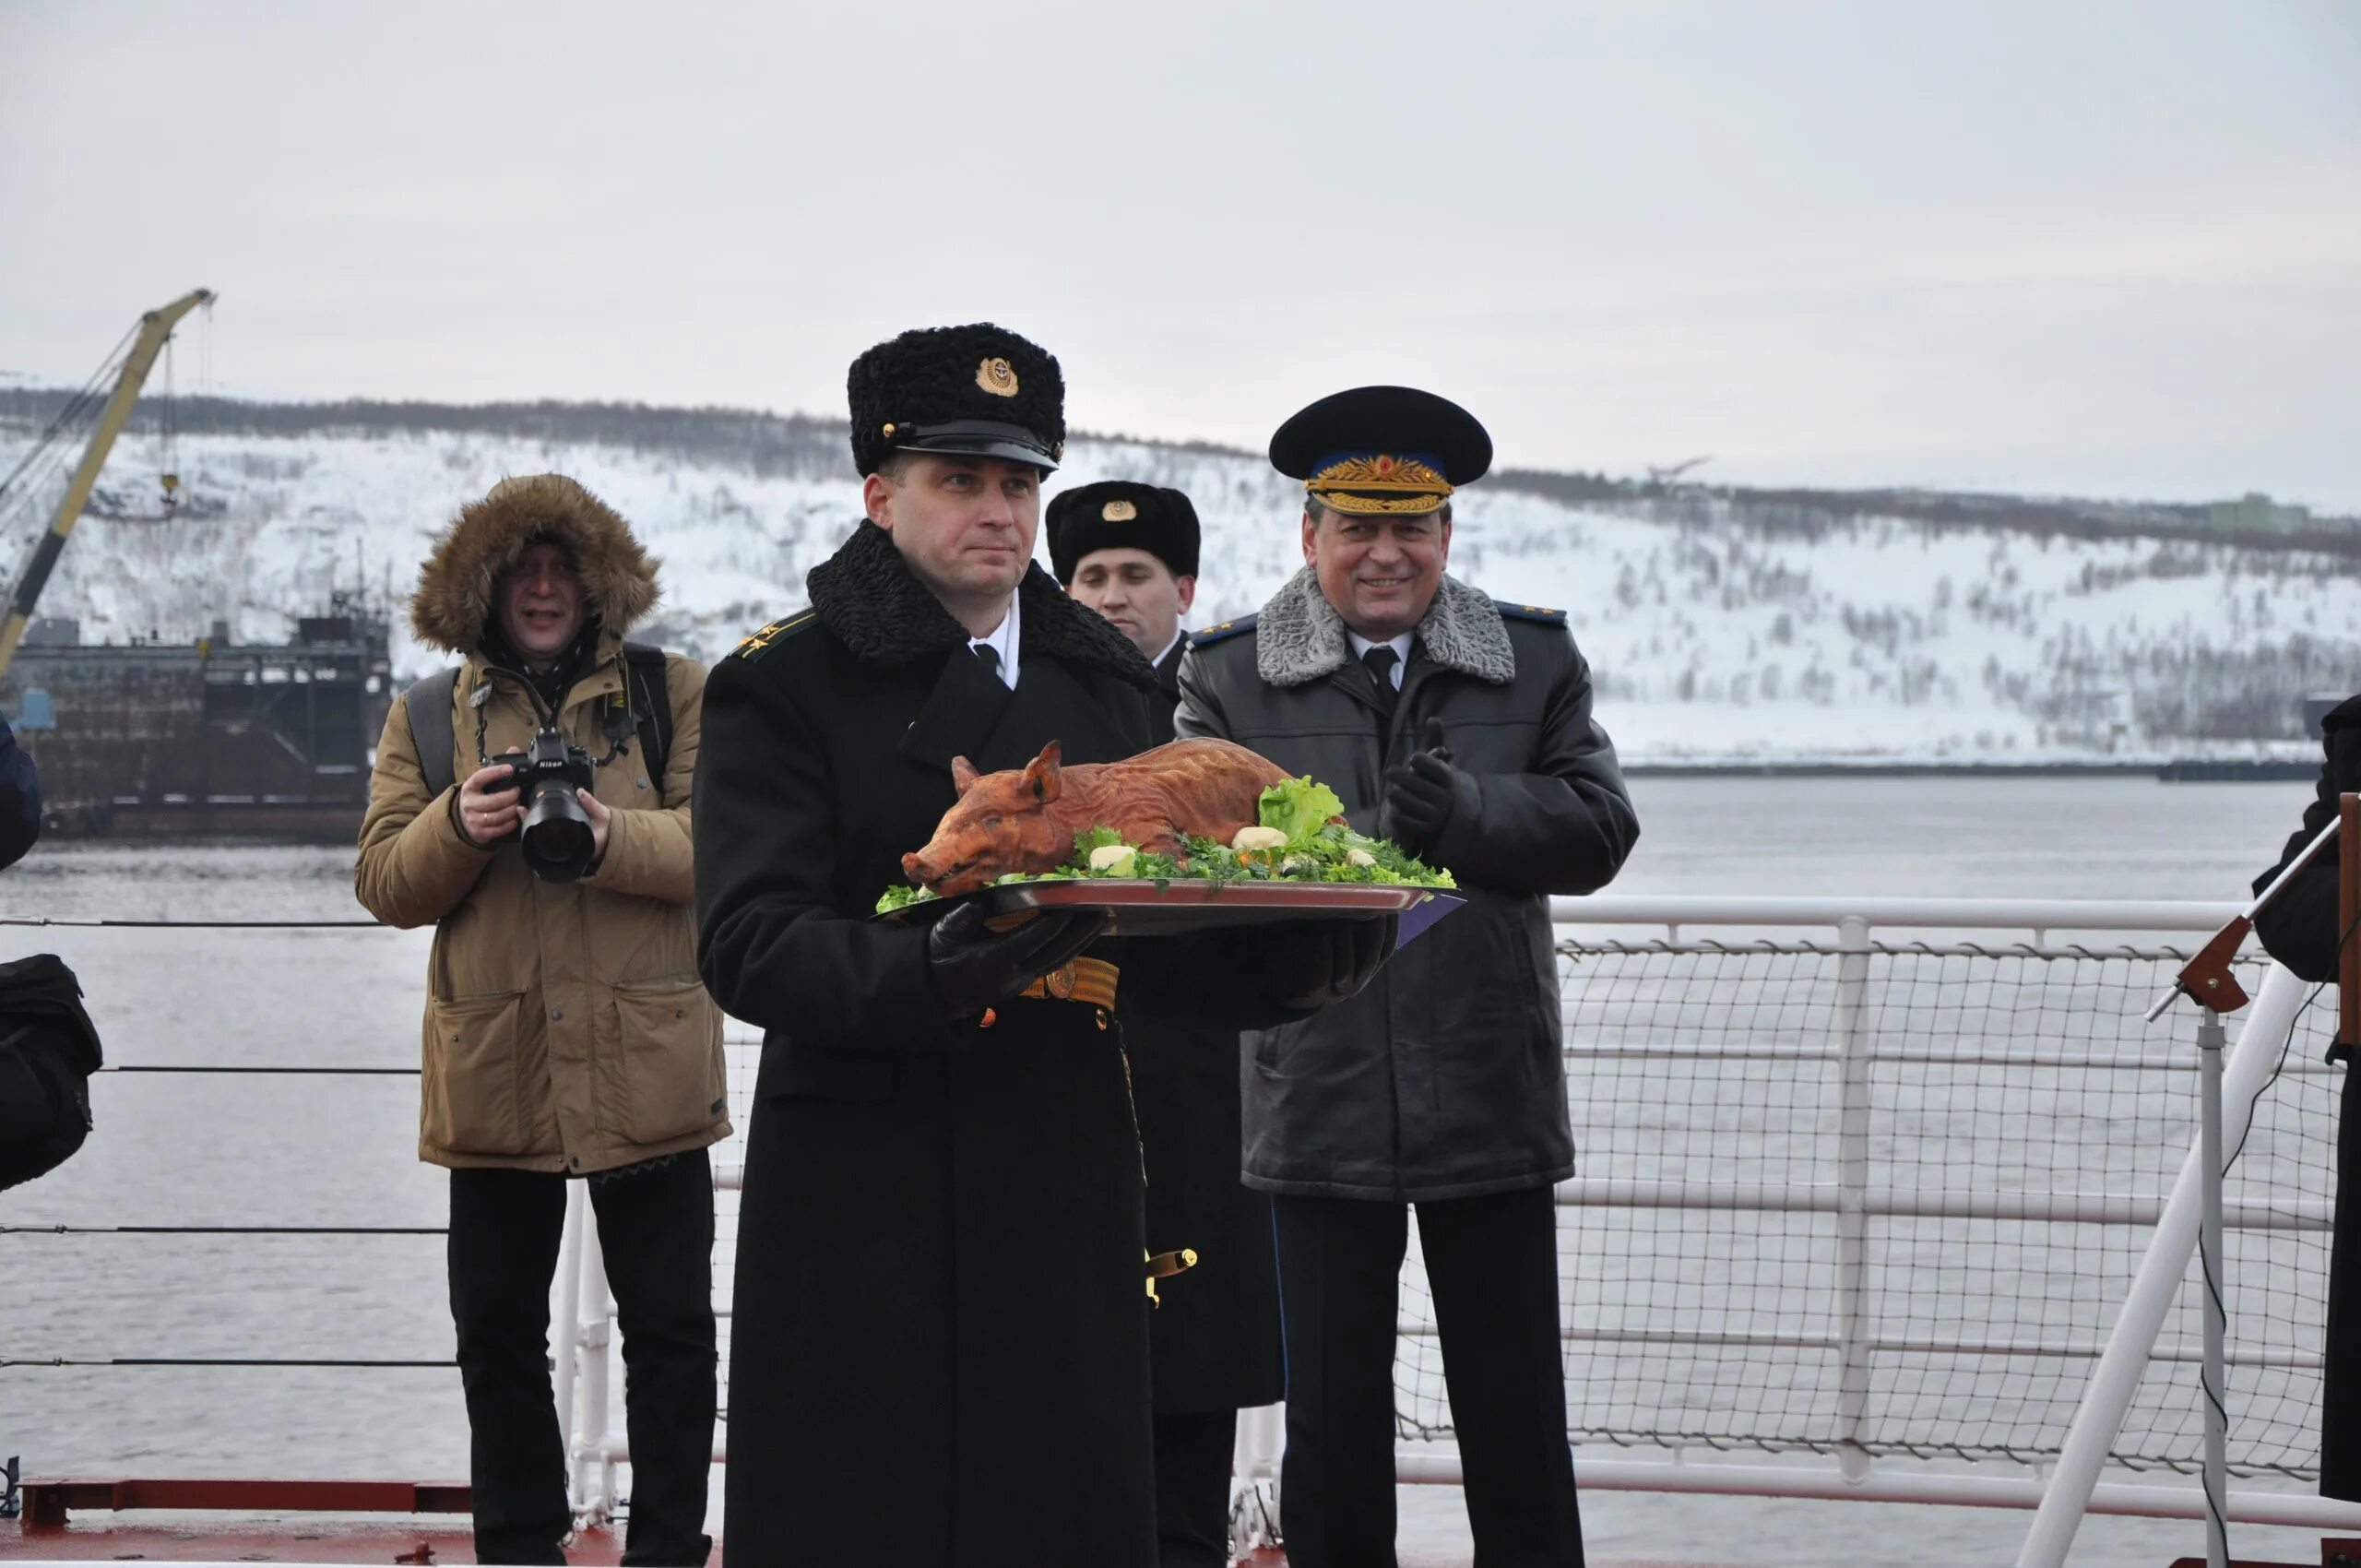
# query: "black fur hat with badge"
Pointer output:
{"type": "Point", "coordinates": [1116, 514]}
{"type": "Point", "coordinates": [977, 391]}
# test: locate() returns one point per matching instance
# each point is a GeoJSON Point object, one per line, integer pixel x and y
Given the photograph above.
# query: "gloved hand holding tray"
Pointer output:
{"type": "Point", "coordinates": [1196, 834]}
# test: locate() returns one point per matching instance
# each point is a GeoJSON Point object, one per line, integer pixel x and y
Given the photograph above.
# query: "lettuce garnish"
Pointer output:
{"type": "Point", "coordinates": [1300, 808]}
{"type": "Point", "coordinates": [1318, 849]}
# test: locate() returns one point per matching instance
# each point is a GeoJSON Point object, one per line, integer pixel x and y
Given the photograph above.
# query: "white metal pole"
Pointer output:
{"type": "Point", "coordinates": [566, 1329]}
{"type": "Point", "coordinates": [2216, 1282]}
{"type": "Point", "coordinates": [2117, 1377]}
{"type": "Point", "coordinates": [1850, 1307]}
{"type": "Point", "coordinates": [1254, 1469]}
{"type": "Point", "coordinates": [594, 1330]}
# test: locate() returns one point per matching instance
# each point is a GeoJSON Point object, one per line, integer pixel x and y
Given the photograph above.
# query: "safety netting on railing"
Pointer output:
{"type": "Point", "coordinates": [1894, 1199]}
{"type": "Point", "coordinates": [1738, 1268]}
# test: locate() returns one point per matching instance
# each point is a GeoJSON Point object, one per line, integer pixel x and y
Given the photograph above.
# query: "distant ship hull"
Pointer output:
{"type": "Point", "coordinates": [203, 739]}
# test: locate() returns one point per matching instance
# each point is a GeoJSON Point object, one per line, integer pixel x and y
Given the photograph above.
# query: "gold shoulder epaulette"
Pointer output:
{"type": "Point", "coordinates": [1530, 612]}
{"type": "Point", "coordinates": [756, 643]}
{"type": "Point", "coordinates": [1224, 632]}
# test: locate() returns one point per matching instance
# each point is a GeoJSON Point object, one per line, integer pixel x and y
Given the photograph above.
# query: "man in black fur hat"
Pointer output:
{"type": "Point", "coordinates": [1129, 552]}
{"type": "Point", "coordinates": [939, 1282]}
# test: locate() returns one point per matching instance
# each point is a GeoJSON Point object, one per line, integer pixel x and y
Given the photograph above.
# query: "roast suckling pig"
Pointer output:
{"type": "Point", "coordinates": [1024, 820]}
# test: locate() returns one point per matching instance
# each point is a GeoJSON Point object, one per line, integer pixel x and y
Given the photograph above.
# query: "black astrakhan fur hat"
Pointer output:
{"type": "Point", "coordinates": [978, 390]}
{"type": "Point", "coordinates": [1119, 514]}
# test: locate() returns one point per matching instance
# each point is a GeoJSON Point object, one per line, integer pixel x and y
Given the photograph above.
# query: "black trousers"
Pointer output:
{"type": "Point", "coordinates": [1492, 1265]}
{"type": "Point", "coordinates": [656, 1227]}
{"type": "Point", "coordinates": [2341, 1383]}
{"type": "Point", "coordinates": [1193, 1449]}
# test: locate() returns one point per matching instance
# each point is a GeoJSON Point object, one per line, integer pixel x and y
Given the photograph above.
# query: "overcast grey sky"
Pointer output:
{"type": "Point", "coordinates": [2106, 248]}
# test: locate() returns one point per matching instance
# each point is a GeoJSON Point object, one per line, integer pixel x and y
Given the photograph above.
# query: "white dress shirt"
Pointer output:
{"type": "Point", "coordinates": [1401, 647]}
{"type": "Point", "coordinates": [1003, 640]}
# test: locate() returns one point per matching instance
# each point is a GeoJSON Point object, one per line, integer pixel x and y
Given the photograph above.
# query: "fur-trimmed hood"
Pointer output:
{"type": "Point", "coordinates": [454, 602]}
{"type": "Point", "coordinates": [875, 605]}
{"type": "Point", "coordinates": [1300, 636]}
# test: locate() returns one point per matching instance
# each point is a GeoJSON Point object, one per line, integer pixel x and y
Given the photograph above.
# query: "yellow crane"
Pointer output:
{"type": "Point", "coordinates": [154, 331]}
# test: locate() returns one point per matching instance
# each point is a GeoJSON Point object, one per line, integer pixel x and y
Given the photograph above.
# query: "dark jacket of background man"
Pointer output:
{"type": "Point", "coordinates": [48, 1049]}
{"type": "Point", "coordinates": [1128, 550]}
{"type": "Point", "coordinates": [1446, 1077]}
{"type": "Point", "coordinates": [19, 799]}
{"type": "Point", "coordinates": [2298, 928]}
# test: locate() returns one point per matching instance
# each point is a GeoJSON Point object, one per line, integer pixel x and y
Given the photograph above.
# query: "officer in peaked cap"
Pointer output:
{"type": "Point", "coordinates": [1129, 552]}
{"type": "Point", "coordinates": [1383, 451]}
{"type": "Point", "coordinates": [940, 1242]}
{"type": "Point", "coordinates": [1460, 726]}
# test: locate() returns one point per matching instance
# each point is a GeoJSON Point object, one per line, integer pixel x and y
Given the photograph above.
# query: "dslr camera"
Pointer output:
{"type": "Point", "coordinates": [548, 778]}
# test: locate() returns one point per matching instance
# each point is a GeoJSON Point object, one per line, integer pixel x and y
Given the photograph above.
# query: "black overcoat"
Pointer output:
{"type": "Point", "coordinates": [2298, 928]}
{"type": "Point", "coordinates": [1214, 1344]}
{"type": "Point", "coordinates": [1446, 1077]}
{"type": "Point", "coordinates": [939, 1304]}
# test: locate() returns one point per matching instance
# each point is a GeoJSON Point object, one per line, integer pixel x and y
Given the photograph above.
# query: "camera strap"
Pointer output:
{"type": "Point", "coordinates": [434, 743]}
{"type": "Point", "coordinates": [651, 700]}
{"type": "Point", "coordinates": [650, 704]}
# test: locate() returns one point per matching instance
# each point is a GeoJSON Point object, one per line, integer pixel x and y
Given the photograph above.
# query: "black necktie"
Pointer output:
{"type": "Point", "coordinates": [989, 655]}
{"type": "Point", "coordinates": [1381, 660]}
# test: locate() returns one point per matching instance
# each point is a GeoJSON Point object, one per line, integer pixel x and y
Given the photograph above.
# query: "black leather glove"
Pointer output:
{"type": "Point", "coordinates": [974, 967]}
{"type": "Point", "coordinates": [1319, 963]}
{"type": "Point", "coordinates": [1423, 794]}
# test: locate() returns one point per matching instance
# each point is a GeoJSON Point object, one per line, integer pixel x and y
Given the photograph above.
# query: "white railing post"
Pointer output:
{"type": "Point", "coordinates": [1254, 1470]}
{"type": "Point", "coordinates": [1854, 1047]}
{"type": "Point", "coordinates": [564, 1322]}
{"type": "Point", "coordinates": [594, 1486]}
{"type": "Point", "coordinates": [2213, 1386]}
{"type": "Point", "coordinates": [2116, 1379]}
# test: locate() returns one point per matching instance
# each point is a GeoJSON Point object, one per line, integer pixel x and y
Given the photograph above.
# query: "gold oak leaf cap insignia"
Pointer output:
{"type": "Point", "coordinates": [996, 376]}
{"type": "Point", "coordinates": [972, 391]}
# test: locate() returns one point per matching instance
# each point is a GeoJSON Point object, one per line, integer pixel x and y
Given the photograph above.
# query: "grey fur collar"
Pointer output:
{"type": "Point", "coordinates": [1300, 637]}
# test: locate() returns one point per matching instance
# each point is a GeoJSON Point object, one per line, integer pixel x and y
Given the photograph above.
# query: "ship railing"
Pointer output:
{"type": "Point", "coordinates": [1889, 1316]}
{"type": "Point", "coordinates": [1877, 1199]}
{"type": "Point", "coordinates": [1979, 1214]}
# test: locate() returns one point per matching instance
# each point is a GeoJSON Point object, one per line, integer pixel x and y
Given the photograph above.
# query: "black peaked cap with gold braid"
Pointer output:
{"type": "Point", "coordinates": [1117, 514]}
{"type": "Point", "coordinates": [1382, 450]}
{"type": "Point", "coordinates": [978, 390]}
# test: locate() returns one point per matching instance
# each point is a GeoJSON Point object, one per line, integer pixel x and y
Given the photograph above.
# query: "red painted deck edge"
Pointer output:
{"type": "Point", "coordinates": [49, 1502]}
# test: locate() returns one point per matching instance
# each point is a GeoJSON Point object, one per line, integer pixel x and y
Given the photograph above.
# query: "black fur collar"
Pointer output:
{"type": "Point", "coordinates": [866, 595]}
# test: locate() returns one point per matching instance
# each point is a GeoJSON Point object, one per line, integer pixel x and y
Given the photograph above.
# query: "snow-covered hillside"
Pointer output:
{"type": "Point", "coordinates": [1714, 635]}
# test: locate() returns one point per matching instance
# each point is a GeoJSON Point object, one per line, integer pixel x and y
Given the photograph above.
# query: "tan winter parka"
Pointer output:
{"type": "Point", "coordinates": [565, 1027]}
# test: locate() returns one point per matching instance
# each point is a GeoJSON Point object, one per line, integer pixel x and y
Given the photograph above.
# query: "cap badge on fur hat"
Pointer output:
{"type": "Point", "coordinates": [1117, 514]}
{"type": "Point", "coordinates": [972, 391]}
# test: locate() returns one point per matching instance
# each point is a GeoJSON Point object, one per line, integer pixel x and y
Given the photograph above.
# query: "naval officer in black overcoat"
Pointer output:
{"type": "Point", "coordinates": [939, 1346]}
{"type": "Point", "coordinates": [1131, 553]}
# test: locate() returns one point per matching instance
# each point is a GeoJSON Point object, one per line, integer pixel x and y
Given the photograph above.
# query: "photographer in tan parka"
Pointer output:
{"type": "Point", "coordinates": [566, 1031]}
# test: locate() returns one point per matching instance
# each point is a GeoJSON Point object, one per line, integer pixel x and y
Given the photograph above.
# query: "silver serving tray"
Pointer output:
{"type": "Point", "coordinates": [1144, 908]}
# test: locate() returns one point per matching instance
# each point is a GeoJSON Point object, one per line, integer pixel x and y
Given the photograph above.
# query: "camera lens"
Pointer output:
{"type": "Point", "coordinates": [556, 838]}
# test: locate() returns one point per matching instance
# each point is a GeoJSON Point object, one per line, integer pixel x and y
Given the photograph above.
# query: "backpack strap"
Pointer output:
{"type": "Point", "coordinates": [433, 745]}
{"type": "Point", "coordinates": [651, 700]}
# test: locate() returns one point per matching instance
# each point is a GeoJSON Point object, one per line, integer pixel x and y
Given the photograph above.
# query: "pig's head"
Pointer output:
{"type": "Point", "coordinates": [1002, 823]}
